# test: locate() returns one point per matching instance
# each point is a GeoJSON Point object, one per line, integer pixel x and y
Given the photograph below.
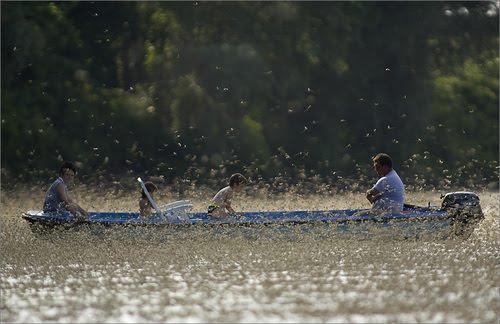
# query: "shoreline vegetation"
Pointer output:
{"type": "Point", "coordinates": [280, 91]}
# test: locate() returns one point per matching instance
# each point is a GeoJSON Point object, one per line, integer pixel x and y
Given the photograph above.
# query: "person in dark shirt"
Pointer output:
{"type": "Point", "coordinates": [57, 199]}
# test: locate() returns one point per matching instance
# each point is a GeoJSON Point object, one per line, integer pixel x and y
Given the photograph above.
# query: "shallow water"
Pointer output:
{"type": "Point", "coordinates": [245, 274]}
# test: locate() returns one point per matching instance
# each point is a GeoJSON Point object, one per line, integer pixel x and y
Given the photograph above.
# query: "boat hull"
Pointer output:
{"type": "Point", "coordinates": [413, 221]}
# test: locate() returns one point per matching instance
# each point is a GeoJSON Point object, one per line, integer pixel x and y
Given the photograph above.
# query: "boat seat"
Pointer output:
{"type": "Point", "coordinates": [177, 209]}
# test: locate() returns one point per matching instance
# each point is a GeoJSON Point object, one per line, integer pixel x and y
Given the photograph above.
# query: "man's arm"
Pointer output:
{"type": "Point", "coordinates": [373, 195]}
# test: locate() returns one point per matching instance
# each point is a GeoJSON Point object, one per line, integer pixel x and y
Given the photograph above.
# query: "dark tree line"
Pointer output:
{"type": "Point", "coordinates": [274, 89]}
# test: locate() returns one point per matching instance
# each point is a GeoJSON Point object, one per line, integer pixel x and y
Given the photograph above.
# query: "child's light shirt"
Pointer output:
{"type": "Point", "coordinates": [223, 197]}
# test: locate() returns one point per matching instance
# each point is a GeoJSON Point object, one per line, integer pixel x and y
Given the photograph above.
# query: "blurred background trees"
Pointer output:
{"type": "Point", "coordinates": [295, 90]}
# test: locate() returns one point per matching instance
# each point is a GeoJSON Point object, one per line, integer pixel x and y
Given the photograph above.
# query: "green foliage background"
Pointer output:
{"type": "Point", "coordinates": [290, 90]}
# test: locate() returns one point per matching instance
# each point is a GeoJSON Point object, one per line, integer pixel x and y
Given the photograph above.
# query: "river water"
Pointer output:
{"type": "Point", "coordinates": [245, 274]}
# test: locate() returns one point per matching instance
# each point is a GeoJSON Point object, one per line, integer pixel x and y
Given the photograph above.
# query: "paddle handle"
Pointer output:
{"type": "Point", "coordinates": [153, 203]}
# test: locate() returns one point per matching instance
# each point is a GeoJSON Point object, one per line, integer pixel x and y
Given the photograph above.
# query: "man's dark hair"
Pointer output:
{"type": "Point", "coordinates": [383, 159]}
{"type": "Point", "coordinates": [237, 179]}
{"type": "Point", "coordinates": [151, 187]}
{"type": "Point", "coordinates": [67, 165]}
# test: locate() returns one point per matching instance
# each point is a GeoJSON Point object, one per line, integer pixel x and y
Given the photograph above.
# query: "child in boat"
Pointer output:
{"type": "Point", "coordinates": [221, 202]}
{"type": "Point", "coordinates": [145, 207]}
{"type": "Point", "coordinates": [57, 199]}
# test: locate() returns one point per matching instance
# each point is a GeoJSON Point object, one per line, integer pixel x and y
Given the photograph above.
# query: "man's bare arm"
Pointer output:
{"type": "Point", "coordinates": [373, 195]}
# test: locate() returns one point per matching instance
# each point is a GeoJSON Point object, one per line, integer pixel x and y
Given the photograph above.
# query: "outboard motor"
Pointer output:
{"type": "Point", "coordinates": [465, 211]}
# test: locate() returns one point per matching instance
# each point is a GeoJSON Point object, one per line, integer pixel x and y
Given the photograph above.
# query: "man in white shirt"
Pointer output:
{"type": "Point", "coordinates": [388, 194]}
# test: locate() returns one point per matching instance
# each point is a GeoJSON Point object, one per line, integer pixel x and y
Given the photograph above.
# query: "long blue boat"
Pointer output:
{"type": "Point", "coordinates": [458, 215]}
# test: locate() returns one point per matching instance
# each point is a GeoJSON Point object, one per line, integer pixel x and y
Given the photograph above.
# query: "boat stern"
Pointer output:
{"type": "Point", "coordinates": [465, 210]}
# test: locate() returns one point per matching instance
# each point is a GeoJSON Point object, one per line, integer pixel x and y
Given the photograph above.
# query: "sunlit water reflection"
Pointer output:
{"type": "Point", "coordinates": [245, 274]}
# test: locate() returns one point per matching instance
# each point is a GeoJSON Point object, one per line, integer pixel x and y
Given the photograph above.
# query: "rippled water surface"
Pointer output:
{"type": "Point", "coordinates": [243, 274]}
